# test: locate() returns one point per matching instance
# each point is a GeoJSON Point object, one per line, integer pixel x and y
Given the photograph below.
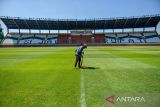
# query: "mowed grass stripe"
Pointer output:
{"type": "Point", "coordinates": [46, 81]}
{"type": "Point", "coordinates": [150, 61]}
{"type": "Point", "coordinates": [10, 56]}
{"type": "Point", "coordinates": [117, 74]}
{"type": "Point", "coordinates": [145, 55]}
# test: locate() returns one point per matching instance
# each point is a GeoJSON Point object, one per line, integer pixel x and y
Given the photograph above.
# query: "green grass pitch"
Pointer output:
{"type": "Point", "coordinates": [46, 77]}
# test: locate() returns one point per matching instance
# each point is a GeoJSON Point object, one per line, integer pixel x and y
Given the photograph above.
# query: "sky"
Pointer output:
{"type": "Point", "coordinates": [78, 9]}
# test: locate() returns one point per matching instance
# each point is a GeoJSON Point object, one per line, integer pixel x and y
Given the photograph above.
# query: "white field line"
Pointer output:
{"type": "Point", "coordinates": [82, 86]}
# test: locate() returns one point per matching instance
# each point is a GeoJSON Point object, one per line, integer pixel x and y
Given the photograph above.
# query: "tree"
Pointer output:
{"type": "Point", "coordinates": [1, 35]}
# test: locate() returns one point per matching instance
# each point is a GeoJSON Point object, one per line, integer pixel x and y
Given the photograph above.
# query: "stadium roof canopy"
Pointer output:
{"type": "Point", "coordinates": [74, 24]}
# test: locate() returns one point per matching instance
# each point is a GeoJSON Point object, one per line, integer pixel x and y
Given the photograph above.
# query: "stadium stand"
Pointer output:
{"type": "Point", "coordinates": [92, 31]}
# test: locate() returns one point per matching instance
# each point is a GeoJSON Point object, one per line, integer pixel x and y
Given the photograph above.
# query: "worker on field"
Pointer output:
{"type": "Point", "coordinates": [79, 55]}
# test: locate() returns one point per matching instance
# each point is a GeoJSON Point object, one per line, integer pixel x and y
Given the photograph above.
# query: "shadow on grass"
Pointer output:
{"type": "Point", "coordinates": [89, 67]}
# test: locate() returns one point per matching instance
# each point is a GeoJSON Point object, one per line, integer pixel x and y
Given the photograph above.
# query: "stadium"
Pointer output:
{"type": "Point", "coordinates": [74, 59]}
{"type": "Point", "coordinates": [32, 31]}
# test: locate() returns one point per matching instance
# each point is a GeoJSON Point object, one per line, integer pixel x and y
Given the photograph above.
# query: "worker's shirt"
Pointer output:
{"type": "Point", "coordinates": [79, 51]}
